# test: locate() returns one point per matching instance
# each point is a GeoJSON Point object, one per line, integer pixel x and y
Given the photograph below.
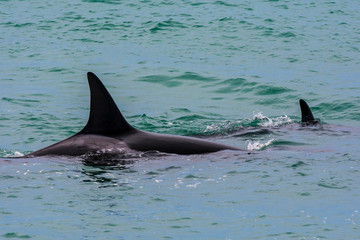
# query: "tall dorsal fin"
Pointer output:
{"type": "Point", "coordinates": [105, 117]}
{"type": "Point", "coordinates": [306, 114]}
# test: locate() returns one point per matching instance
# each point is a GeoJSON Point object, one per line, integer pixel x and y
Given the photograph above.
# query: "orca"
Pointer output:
{"type": "Point", "coordinates": [307, 117]}
{"type": "Point", "coordinates": [107, 130]}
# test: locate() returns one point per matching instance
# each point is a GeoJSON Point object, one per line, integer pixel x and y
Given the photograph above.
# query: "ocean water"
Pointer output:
{"type": "Point", "coordinates": [228, 71]}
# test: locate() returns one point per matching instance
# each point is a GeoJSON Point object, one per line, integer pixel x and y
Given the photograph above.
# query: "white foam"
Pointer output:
{"type": "Point", "coordinates": [13, 154]}
{"type": "Point", "coordinates": [257, 145]}
{"type": "Point", "coordinates": [211, 128]}
{"type": "Point", "coordinates": [271, 122]}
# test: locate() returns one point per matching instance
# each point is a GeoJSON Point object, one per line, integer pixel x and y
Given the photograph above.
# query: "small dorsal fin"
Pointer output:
{"type": "Point", "coordinates": [306, 114]}
{"type": "Point", "coordinates": [105, 117]}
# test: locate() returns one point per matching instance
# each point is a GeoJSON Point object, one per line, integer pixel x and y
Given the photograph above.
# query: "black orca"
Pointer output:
{"type": "Point", "coordinates": [108, 130]}
{"type": "Point", "coordinates": [307, 118]}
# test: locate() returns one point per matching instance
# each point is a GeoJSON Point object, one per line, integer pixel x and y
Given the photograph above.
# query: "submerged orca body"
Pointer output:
{"type": "Point", "coordinates": [107, 129]}
{"type": "Point", "coordinates": [307, 117]}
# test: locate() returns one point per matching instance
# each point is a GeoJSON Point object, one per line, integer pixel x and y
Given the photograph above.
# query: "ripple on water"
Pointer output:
{"type": "Point", "coordinates": [15, 235]}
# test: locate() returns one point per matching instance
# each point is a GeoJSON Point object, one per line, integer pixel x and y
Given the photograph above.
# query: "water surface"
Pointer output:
{"type": "Point", "coordinates": [230, 71]}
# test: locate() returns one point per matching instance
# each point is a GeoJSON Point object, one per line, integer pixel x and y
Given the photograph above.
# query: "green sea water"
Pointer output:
{"type": "Point", "coordinates": [228, 71]}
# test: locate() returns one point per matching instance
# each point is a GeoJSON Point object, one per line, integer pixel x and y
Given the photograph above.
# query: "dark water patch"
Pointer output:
{"type": "Point", "coordinates": [181, 219]}
{"type": "Point", "coordinates": [217, 98]}
{"type": "Point", "coordinates": [96, 27]}
{"type": "Point", "coordinates": [264, 29]}
{"type": "Point", "coordinates": [4, 118]}
{"type": "Point", "coordinates": [5, 213]}
{"type": "Point", "coordinates": [224, 19]}
{"type": "Point", "coordinates": [236, 172]}
{"type": "Point", "coordinates": [235, 82]}
{"type": "Point", "coordinates": [32, 187]}
{"type": "Point", "coordinates": [223, 3]}
{"type": "Point", "coordinates": [269, 20]}
{"type": "Point", "coordinates": [287, 143]}
{"type": "Point", "coordinates": [44, 27]}
{"type": "Point", "coordinates": [231, 86]}
{"type": "Point", "coordinates": [227, 90]}
{"type": "Point", "coordinates": [12, 196]}
{"type": "Point", "coordinates": [301, 174]}
{"type": "Point", "coordinates": [109, 27]}
{"type": "Point", "coordinates": [178, 110]}
{"type": "Point", "coordinates": [158, 200]}
{"type": "Point", "coordinates": [198, 4]}
{"type": "Point", "coordinates": [234, 85]}
{"type": "Point", "coordinates": [17, 25]}
{"type": "Point", "coordinates": [195, 77]}
{"type": "Point", "coordinates": [166, 81]}
{"type": "Point", "coordinates": [21, 102]}
{"type": "Point", "coordinates": [292, 60]}
{"type": "Point", "coordinates": [191, 176]}
{"type": "Point", "coordinates": [152, 173]}
{"type": "Point", "coordinates": [340, 12]}
{"type": "Point", "coordinates": [71, 17]}
{"type": "Point", "coordinates": [179, 227]}
{"type": "Point", "coordinates": [283, 6]}
{"type": "Point", "coordinates": [338, 109]}
{"type": "Point", "coordinates": [174, 81]}
{"type": "Point", "coordinates": [167, 25]}
{"type": "Point", "coordinates": [56, 69]}
{"type": "Point", "coordinates": [287, 35]}
{"type": "Point", "coordinates": [269, 32]}
{"type": "Point", "coordinates": [286, 234]}
{"type": "Point", "coordinates": [113, 2]}
{"type": "Point", "coordinates": [15, 235]}
{"type": "Point", "coordinates": [246, 23]}
{"type": "Point", "coordinates": [110, 225]}
{"type": "Point", "coordinates": [139, 228]}
{"type": "Point", "coordinates": [298, 164]}
{"type": "Point", "coordinates": [192, 117]}
{"type": "Point", "coordinates": [48, 22]}
{"type": "Point", "coordinates": [331, 185]}
{"type": "Point", "coordinates": [169, 168]}
{"type": "Point", "coordinates": [41, 95]}
{"type": "Point", "coordinates": [87, 40]}
{"type": "Point", "coordinates": [271, 90]}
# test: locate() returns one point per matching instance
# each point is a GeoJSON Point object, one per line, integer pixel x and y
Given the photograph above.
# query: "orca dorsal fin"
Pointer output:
{"type": "Point", "coordinates": [105, 117]}
{"type": "Point", "coordinates": [306, 114]}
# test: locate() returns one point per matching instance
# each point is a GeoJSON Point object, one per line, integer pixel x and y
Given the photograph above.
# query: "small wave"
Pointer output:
{"type": "Point", "coordinates": [257, 145]}
{"type": "Point", "coordinates": [104, 1]}
{"type": "Point", "coordinates": [167, 25]}
{"type": "Point", "coordinates": [265, 121]}
{"type": "Point", "coordinates": [223, 127]}
{"type": "Point", "coordinates": [287, 35]}
{"type": "Point", "coordinates": [247, 127]}
{"type": "Point", "coordinates": [7, 153]}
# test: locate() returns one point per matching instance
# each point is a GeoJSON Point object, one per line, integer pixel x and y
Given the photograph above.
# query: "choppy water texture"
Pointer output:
{"type": "Point", "coordinates": [230, 71]}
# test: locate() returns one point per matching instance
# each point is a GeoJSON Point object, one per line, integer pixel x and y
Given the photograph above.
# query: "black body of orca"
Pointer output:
{"type": "Point", "coordinates": [107, 129]}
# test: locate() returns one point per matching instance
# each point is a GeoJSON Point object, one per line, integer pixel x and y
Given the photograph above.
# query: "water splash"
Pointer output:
{"type": "Point", "coordinates": [265, 121]}
{"type": "Point", "coordinates": [8, 153]}
{"type": "Point", "coordinates": [257, 145]}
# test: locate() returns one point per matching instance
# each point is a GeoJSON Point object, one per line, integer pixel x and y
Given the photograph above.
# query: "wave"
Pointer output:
{"type": "Point", "coordinates": [264, 121]}
{"type": "Point", "coordinates": [10, 153]}
{"type": "Point", "coordinates": [167, 25]}
{"type": "Point", "coordinates": [257, 145]}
